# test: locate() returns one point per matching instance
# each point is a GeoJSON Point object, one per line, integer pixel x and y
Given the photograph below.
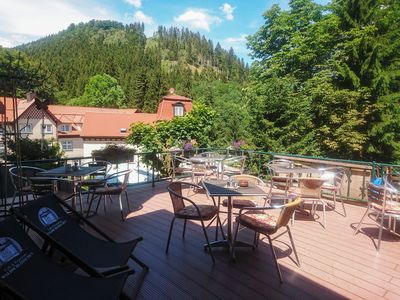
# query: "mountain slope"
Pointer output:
{"type": "Point", "coordinates": [145, 68]}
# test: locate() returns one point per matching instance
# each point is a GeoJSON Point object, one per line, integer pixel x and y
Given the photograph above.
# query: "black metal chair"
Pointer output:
{"type": "Point", "coordinates": [25, 273]}
{"type": "Point", "coordinates": [20, 182]}
{"type": "Point", "coordinates": [96, 179]}
{"type": "Point", "coordinates": [63, 188]}
{"type": "Point", "coordinates": [111, 187]}
{"type": "Point", "coordinates": [192, 211]}
{"type": "Point", "coordinates": [61, 230]}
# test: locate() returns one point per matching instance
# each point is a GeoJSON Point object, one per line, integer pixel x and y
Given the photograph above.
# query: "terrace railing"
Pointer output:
{"type": "Point", "coordinates": [150, 167]}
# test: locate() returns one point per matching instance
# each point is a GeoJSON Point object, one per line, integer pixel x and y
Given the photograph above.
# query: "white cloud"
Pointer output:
{"type": "Point", "coordinates": [236, 40]}
{"type": "Point", "coordinates": [101, 11]}
{"type": "Point", "coordinates": [197, 18]}
{"type": "Point", "coordinates": [135, 3]}
{"type": "Point", "coordinates": [139, 16]}
{"type": "Point", "coordinates": [238, 44]}
{"type": "Point", "coordinates": [6, 42]}
{"type": "Point", "coordinates": [227, 9]}
{"type": "Point", "coordinates": [33, 19]}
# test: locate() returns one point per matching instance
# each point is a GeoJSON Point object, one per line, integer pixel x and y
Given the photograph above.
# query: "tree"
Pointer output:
{"type": "Point", "coordinates": [196, 125]}
{"type": "Point", "coordinates": [326, 79]}
{"type": "Point", "coordinates": [32, 150]}
{"type": "Point", "coordinates": [103, 91]}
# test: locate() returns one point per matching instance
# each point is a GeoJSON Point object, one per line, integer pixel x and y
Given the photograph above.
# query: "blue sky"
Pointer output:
{"type": "Point", "coordinates": [227, 22]}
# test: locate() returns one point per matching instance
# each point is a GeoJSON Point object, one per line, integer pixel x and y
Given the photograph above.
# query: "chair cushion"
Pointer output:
{"type": "Point", "coordinates": [26, 189]}
{"type": "Point", "coordinates": [182, 170]}
{"type": "Point", "coordinates": [239, 203]}
{"type": "Point", "coordinates": [62, 195]}
{"type": "Point", "coordinates": [329, 187]}
{"type": "Point", "coordinates": [92, 182]}
{"type": "Point", "coordinates": [190, 212]}
{"type": "Point", "coordinates": [259, 221]}
{"type": "Point", "coordinates": [109, 190]}
{"type": "Point", "coordinates": [392, 207]}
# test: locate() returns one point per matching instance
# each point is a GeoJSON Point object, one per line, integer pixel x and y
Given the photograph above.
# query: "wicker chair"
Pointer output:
{"type": "Point", "coordinates": [262, 222]}
{"type": "Point", "coordinates": [187, 209]}
{"type": "Point", "coordinates": [310, 192]}
{"type": "Point", "coordinates": [247, 201]}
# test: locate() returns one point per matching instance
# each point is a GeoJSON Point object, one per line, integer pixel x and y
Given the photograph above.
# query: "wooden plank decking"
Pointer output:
{"type": "Point", "coordinates": [334, 263]}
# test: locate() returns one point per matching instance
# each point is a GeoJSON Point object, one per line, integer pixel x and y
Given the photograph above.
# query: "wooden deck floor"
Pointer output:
{"type": "Point", "coordinates": [334, 263]}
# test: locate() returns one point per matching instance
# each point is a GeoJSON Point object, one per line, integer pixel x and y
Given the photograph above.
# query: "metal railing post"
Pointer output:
{"type": "Point", "coordinates": [373, 173]}
{"type": "Point", "coordinates": [153, 155]}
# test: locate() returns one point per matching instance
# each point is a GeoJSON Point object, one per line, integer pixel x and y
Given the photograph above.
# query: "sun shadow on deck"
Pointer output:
{"type": "Point", "coordinates": [328, 269]}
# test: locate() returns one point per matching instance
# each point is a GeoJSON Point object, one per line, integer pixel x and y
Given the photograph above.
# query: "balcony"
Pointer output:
{"type": "Point", "coordinates": [335, 264]}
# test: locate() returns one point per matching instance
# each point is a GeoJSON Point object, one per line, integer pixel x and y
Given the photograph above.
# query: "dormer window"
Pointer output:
{"type": "Point", "coordinates": [122, 130]}
{"type": "Point", "coordinates": [64, 128]}
{"type": "Point", "coordinates": [178, 110]}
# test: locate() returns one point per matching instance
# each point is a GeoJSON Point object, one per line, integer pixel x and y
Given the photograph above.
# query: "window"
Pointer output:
{"type": "Point", "coordinates": [25, 128]}
{"type": "Point", "coordinates": [47, 128]}
{"type": "Point", "coordinates": [178, 110]}
{"type": "Point", "coordinates": [64, 127]}
{"type": "Point", "coordinates": [67, 145]}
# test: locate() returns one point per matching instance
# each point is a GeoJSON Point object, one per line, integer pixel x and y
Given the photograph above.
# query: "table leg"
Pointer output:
{"type": "Point", "coordinates": [228, 242]}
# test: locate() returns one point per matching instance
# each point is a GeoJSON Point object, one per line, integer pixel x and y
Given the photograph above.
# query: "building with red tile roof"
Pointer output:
{"type": "Point", "coordinates": [80, 130]}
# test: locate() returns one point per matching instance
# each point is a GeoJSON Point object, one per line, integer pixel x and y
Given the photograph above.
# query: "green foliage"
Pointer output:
{"type": "Point", "coordinates": [103, 91]}
{"type": "Point", "coordinates": [23, 73]}
{"type": "Point", "coordinates": [31, 150]}
{"type": "Point", "coordinates": [232, 119]}
{"type": "Point", "coordinates": [114, 153]}
{"type": "Point", "coordinates": [197, 125]}
{"type": "Point", "coordinates": [326, 79]}
{"type": "Point", "coordinates": [145, 68]}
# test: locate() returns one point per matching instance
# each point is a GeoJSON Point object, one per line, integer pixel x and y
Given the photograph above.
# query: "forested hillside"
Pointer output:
{"type": "Point", "coordinates": [326, 80]}
{"type": "Point", "coordinates": [122, 56]}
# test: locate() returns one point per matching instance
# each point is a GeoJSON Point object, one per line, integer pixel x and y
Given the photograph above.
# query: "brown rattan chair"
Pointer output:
{"type": "Point", "coordinates": [246, 201]}
{"type": "Point", "coordinates": [384, 202]}
{"type": "Point", "coordinates": [310, 192]}
{"type": "Point", "coordinates": [187, 209]}
{"type": "Point", "coordinates": [262, 222]}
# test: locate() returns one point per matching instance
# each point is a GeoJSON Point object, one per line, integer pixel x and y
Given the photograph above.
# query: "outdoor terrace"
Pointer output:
{"type": "Point", "coordinates": [334, 263]}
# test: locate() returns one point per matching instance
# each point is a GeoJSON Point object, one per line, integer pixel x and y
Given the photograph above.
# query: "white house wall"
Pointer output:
{"type": "Point", "coordinates": [37, 128]}
{"type": "Point", "coordinates": [90, 145]}
{"type": "Point", "coordinates": [77, 150]}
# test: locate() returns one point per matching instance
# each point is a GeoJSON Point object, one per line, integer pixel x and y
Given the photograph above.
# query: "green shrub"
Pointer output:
{"type": "Point", "coordinates": [114, 153]}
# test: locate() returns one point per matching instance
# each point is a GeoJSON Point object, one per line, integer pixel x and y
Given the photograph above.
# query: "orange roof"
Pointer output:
{"type": "Point", "coordinates": [22, 105]}
{"type": "Point", "coordinates": [76, 114]}
{"type": "Point", "coordinates": [176, 97]}
{"type": "Point", "coordinates": [112, 125]}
